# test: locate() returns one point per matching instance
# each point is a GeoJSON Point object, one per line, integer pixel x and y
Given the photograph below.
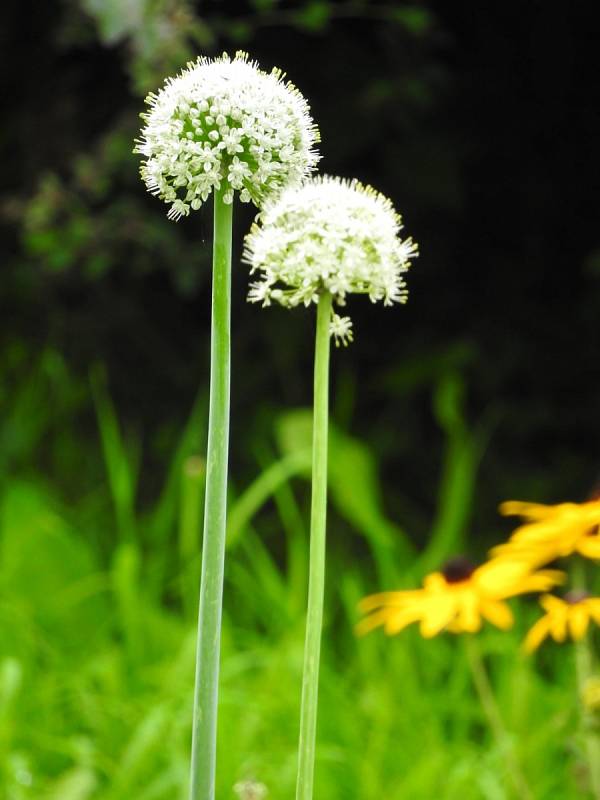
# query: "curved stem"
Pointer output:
{"type": "Point", "coordinates": [484, 690]}
{"type": "Point", "coordinates": [204, 729]}
{"type": "Point", "coordinates": [316, 582]}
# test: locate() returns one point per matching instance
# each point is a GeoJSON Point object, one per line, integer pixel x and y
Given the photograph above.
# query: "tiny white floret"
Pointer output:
{"type": "Point", "coordinates": [225, 120]}
{"type": "Point", "coordinates": [328, 235]}
{"type": "Point", "coordinates": [341, 329]}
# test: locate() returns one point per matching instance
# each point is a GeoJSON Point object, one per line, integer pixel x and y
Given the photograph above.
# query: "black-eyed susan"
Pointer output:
{"type": "Point", "coordinates": [457, 598]}
{"type": "Point", "coordinates": [551, 532]}
{"type": "Point", "coordinates": [565, 618]}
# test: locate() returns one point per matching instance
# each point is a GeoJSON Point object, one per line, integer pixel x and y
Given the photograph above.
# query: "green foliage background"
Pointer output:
{"type": "Point", "coordinates": [484, 387]}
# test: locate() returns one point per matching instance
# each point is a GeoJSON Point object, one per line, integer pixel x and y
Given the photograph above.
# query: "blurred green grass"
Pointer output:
{"type": "Point", "coordinates": [97, 616]}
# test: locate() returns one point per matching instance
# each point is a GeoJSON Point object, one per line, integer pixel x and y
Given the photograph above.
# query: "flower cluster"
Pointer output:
{"type": "Point", "coordinates": [460, 596]}
{"type": "Point", "coordinates": [225, 120]}
{"type": "Point", "coordinates": [328, 235]}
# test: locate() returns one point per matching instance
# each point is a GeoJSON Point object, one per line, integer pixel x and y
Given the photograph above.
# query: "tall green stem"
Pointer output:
{"type": "Point", "coordinates": [204, 731]}
{"type": "Point", "coordinates": [484, 690]}
{"type": "Point", "coordinates": [316, 581]}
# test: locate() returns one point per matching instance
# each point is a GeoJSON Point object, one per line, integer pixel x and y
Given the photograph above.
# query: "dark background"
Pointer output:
{"type": "Point", "coordinates": [480, 121]}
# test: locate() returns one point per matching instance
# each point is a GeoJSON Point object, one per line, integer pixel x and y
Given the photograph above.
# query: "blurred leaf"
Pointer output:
{"type": "Point", "coordinates": [297, 462]}
{"type": "Point", "coordinates": [353, 481]}
{"type": "Point", "coordinates": [448, 398]}
{"type": "Point", "coordinates": [126, 584]}
{"type": "Point", "coordinates": [79, 783]}
{"type": "Point", "coordinates": [163, 35]}
{"type": "Point", "coordinates": [191, 506]}
{"type": "Point", "coordinates": [11, 683]}
{"type": "Point", "coordinates": [162, 518]}
{"type": "Point", "coordinates": [48, 566]}
{"type": "Point", "coordinates": [121, 468]}
{"type": "Point", "coordinates": [314, 16]}
{"type": "Point", "coordinates": [264, 5]}
{"type": "Point", "coordinates": [115, 18]}
{"type": "Point", "coordinates": [143, 749]}
{"type": "Point", "coordinates": [416, 19]}
{"type": "Point", "coordinates": [427, 368]}
{"type": "Point", "coordinates": [239, 30]}
{"type": "Point", "coordinates": [456, 496]}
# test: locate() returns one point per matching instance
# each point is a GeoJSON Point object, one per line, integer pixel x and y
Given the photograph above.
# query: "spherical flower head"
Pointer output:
{"type": "Point", "coordinates": [225, 121]}
{"type": "Point", "coordinates": [328, 235]}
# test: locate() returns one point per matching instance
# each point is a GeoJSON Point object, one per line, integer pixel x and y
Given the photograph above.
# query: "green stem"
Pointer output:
{"type": "Point", "coordinates": [316, 581]}
{"type": "Point", "coordinates": [204, 729]}
{"type": "Point", "coordinates": [584, 668]}
{"type": "Point", "coordinates": [484, 690]}
{"type": "Point", "coordinates": [193, 478]}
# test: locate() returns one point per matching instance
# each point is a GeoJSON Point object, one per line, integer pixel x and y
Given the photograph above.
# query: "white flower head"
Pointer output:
{"type": "Point", "coordinates": [328, 235]}
{"type": "Point", "coordinates": [225, 120]}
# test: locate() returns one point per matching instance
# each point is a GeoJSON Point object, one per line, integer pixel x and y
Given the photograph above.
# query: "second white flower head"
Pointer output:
{"type": "Point", "coordinates": [225, 120]}
{"type": "Point", "coordinates": [328, 235]}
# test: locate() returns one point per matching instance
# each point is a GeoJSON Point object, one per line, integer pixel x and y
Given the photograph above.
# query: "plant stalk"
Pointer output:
{"type": "Point", "coordinates": [485, 693]}
{"type": "Point", "coordinates": [316, 580]}
{"type": "Point", "coordinates": [204, 726]}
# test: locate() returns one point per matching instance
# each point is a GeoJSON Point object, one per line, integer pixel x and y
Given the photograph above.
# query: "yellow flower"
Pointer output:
{"type": "Point", "coordinates": [457, 598]}
{"type": "Point", "coordinates": [568, 617]}
{"type": "Point", "coordinates": [552, 532]}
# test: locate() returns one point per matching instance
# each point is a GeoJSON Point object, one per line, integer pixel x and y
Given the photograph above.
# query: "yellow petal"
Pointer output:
{"type": "Point", "coordinates": [589, 546]}
{"type": "Point", "coordinates": [593, 605]}
{"type": "Point", "coordinates": [401, 619]}
{"type": "Point", "coordinates": [539, 581]}
{"type": "Point", "coordinates": [518, 508]}
{"type": "Point", "coordinates": [497, 574]}
{"type": "Point", "coordinates": [553, 605]}
{"type": "Point", "coordinates": [371, 622]}
{"type": "Point", "coordinates": [468, 618]}
{"type": "Point", "coordinates": [537, 634]}
{"type": "Point", "coordinates": [437, 617]}
{"type": "Point", "coordinates": [533, 555]}
{"type": "Point", "coordinates": [558, 625]}
{"type": "Point", "coordinates": [578, 621]}
{"type": "Point", "coordinates": [435, 582]}
{"type": "Point", "coordinates": [505, 577]}
{"type": "Point", "coordinates": [373, 601]}
{"type": "Point", "coordinates": [498, 613]}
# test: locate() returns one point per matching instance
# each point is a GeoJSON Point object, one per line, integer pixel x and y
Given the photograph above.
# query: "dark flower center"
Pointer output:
{"type": "Point", "coordinates": [576, 596]}
{"type": "Point", "coordinates": [458, 569]}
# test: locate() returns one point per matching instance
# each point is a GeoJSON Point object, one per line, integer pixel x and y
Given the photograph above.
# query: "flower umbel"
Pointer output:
{"type": "Point", "coordinates": [457, 598]}
{"type": "Point", "coordinates": [564, 618]}
{"type": "Point", "coordinates": [225, 120]}
{"type": "Point", "coordinates": [328, 235]}
{"type": "Point", "coordinates": [552, 532]}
